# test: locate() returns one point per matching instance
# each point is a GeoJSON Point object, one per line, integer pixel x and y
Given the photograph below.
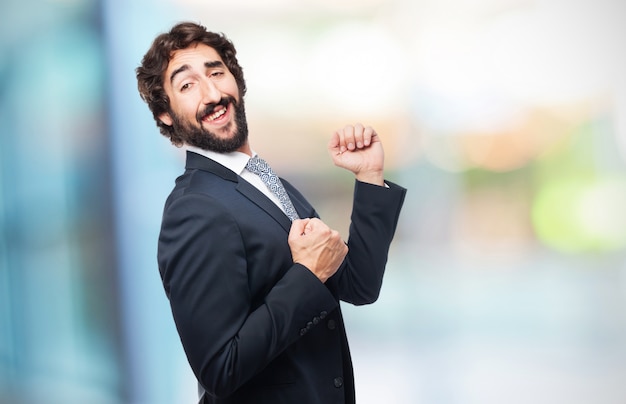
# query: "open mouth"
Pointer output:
{"type": "Point", "coordinates": [219, 112]}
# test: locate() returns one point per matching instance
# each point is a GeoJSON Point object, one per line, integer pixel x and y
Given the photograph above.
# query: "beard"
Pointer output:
{"type": "Point", "coordinates": [200, 137]}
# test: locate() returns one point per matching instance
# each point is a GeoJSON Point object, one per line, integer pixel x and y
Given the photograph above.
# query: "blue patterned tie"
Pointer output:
{"type": "Point", "coordinates": [260, 167]}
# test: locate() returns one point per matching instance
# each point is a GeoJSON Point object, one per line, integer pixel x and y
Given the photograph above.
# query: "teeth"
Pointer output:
{"type": "Point", "coordinates": [217, 114]}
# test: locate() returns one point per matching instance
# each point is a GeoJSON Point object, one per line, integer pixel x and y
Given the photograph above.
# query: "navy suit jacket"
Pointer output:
{"type": "Point", "coordinates": [257, 328]}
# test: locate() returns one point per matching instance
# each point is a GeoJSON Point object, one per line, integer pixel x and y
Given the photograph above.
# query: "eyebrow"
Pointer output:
{"type": "Point", "coordinates": [208, 65]}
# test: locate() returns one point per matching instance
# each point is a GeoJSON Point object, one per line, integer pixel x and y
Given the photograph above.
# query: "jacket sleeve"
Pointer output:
{"type": "Point", "coordinates": [374, 218]}
{"type": "Point", "coordinates": [227, 337]}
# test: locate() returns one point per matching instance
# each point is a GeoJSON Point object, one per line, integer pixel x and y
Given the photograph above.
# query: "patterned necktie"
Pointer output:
{"type": "Point", "coordinates": [260, 167]}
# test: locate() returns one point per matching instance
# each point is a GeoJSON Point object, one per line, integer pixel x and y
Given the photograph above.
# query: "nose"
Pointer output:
{"type": "Point", "coordinates": [210, 92]}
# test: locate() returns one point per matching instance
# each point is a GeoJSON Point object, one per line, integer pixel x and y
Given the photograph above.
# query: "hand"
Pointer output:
{"type": "Point", "coordinates": [358, 149]}
{"type": "Point", "coordinates": [317, 247]}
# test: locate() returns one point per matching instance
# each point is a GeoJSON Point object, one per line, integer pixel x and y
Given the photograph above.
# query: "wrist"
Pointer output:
{"type": "Point", "coordinates": [375, 178]}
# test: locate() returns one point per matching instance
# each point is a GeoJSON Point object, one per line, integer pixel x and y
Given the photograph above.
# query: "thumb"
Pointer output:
{"type": "Point", "coordinates": [333, 143]}
{"type": "Point", "coordinates": [298, 226]}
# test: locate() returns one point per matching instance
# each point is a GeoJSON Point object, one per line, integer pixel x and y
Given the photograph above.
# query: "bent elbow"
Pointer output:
{"type": "Point", "coordinates": [220, 390]}
{"type": "Point", "coordinates": [219, 383]}
{"type": "Point", "coordinates": [366, 297]}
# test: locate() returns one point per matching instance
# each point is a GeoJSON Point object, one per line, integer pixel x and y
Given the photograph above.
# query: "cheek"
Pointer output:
{"type": "Point", "coordinates": [231, 88]}
{"type": "Point", "coordinates": [186, 109]}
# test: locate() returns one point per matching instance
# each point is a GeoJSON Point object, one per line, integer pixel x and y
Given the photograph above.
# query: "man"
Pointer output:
{"type": "Point", "coordinates": [254, 293]}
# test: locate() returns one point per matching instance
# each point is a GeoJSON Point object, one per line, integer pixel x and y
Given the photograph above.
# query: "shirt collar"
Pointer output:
{"type": "Point", "coordinates": [235, 161]}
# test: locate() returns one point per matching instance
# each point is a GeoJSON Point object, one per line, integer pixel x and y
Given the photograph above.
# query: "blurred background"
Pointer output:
{"type": "Point", "coordinates": [505, 119]}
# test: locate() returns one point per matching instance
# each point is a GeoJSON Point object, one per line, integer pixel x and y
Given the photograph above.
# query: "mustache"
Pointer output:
{"type": "Point", "coordinates": [211, 107]}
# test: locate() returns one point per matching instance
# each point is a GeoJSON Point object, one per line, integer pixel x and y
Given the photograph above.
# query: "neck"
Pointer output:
{"type": "Point", "coordinates": [245, 148]}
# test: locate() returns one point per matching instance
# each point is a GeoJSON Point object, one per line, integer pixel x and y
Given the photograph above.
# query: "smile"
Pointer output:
{"type": "Point", "coordinates": [216, 114]}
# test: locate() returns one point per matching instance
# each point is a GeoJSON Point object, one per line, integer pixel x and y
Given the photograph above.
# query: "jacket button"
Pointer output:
{"type": "Point", "coordinates": [338, 382]}
{"type": "Point", "coordinates": [323, 315]}
{"type": "Point", "coordinates": [331, 324]}
{"type": "Point", "coordinates": [316, 320]}
{"type": "Point", "coordinates": [303, 331]}
{"type": "Point", "coordinates": [309, 325]}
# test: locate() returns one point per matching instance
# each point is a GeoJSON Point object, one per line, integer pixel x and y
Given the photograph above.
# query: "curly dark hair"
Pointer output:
{"type": "Point", "coordinates": [150, 74]}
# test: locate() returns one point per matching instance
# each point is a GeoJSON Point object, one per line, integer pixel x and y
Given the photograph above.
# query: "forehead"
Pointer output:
{"type": "Point", "coordinates": [195, 56]}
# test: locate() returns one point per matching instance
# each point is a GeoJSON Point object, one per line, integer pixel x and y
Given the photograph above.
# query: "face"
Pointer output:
{"type": "Point", "coordinates": [205, 105]}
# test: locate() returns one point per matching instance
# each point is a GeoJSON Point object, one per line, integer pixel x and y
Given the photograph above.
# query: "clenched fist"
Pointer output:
{"type": "Point", "coordinates": [358, 149]}
{"type": "Point", "coordinates": [317, 247]}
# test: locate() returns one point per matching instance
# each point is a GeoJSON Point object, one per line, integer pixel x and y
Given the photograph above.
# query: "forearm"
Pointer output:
{"type": "Point", "coordinates": [373, 224]}
{"type": "Point", "coordinates": [263, 334]}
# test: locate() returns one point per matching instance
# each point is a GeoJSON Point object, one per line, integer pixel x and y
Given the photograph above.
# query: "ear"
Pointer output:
{"type": "Point", "coordinates": [166, 119]}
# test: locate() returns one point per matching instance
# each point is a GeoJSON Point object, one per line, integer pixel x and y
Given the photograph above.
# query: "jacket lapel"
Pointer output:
{"type": "Point", "coordinates": [196, 161]}
{"type": "Point", "coordinates": [249, 191]}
